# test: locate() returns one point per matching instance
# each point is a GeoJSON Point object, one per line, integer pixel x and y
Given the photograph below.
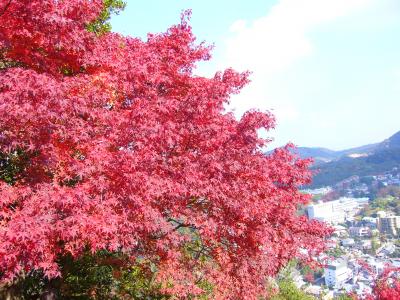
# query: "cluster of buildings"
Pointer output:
{"type": "Point", "coordinates": [364, 247]}
{"type": "Point", "coordinates": [337, 211]}
{"type": "Point", "coordinates": [345, 209]}
{"type": "Point", "coordinates": [366, 186]}
{"type": "Point", "coordinates": [354, 271]}
{"type": "Point", "coordinates": [361, 248]}
{"type": "Point", "coordinates": [390, 178]}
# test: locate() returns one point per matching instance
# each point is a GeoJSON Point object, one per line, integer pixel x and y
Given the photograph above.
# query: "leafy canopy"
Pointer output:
{"type": "Point", "coordinates": [122, 149]}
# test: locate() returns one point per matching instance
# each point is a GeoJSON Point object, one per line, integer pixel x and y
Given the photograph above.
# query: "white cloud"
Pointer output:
{"type": "Point", "coordinates": [396, 81]}
{"type": "Point", "coordinates": [273, 43]}
{"type": "Point", "coordinates": [238, 26]}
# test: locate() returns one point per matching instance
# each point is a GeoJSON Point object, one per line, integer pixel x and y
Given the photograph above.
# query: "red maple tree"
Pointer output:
{"type": "Point", "coordinates": [117, 145]}
{"type": "Point", "coordinates": [386, 291]}
{"type": "Point", "coordinates": [386, 286]}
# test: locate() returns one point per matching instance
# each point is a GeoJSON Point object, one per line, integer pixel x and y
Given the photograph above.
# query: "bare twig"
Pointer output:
{"type": "Point", "coordinates": [178, 225]}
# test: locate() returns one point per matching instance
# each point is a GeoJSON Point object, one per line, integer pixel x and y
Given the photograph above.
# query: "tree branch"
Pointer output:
{"type": "Point", "coordinates": [5, 7]}
{"type": "Point", "coordinates": [178, 225]}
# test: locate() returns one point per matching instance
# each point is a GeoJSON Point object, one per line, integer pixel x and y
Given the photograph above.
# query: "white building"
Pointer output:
{"type": "Point", "coordinates": [337, 273]}
{"type": "Point", "coordinates": [360, 231]}
{"type": "Point", "coordinates": [348, 242]}
{"type": "Point", "coordinates": [336, 211]}
{"type": "Point", "coordinates": [376, 265]}
{"type": "Point", "coordinates": [340, 230]}
{"type": "Point", "coordinates": [386, 249]}
{"type": "Point", "coordinates": [325, 212]}
{"type": "Point", "coordinates": [320, 191]}
{"type": "Point", "coordinates": [366, 245]}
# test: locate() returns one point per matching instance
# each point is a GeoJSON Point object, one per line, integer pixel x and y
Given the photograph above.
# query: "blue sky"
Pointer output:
{"type": "Point", "coordinates": [328, 69]}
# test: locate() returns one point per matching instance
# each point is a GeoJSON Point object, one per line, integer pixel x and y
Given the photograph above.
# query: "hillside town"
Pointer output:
{"type": "Point", "coordinates": [365, 235]}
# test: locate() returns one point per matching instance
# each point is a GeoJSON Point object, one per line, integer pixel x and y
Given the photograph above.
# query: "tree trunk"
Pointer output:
{"type": "Point", "coordinates": [49, 294]}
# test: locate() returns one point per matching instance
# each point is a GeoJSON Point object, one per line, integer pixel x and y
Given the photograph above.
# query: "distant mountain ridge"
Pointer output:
{"type": "Point", "coordinates": [334, 166]}
{"type": "Point", "coordinates": [320, 155]}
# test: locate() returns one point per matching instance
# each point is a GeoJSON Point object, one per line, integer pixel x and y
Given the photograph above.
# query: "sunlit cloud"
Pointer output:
{"type": "Point", "coordinates": [273, 43]}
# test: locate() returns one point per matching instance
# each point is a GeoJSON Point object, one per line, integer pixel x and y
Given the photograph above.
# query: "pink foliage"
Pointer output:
{"type": "Point", "coordinates": [387, 286]}
{"type": "Point", "coordinates": [149, 149]}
